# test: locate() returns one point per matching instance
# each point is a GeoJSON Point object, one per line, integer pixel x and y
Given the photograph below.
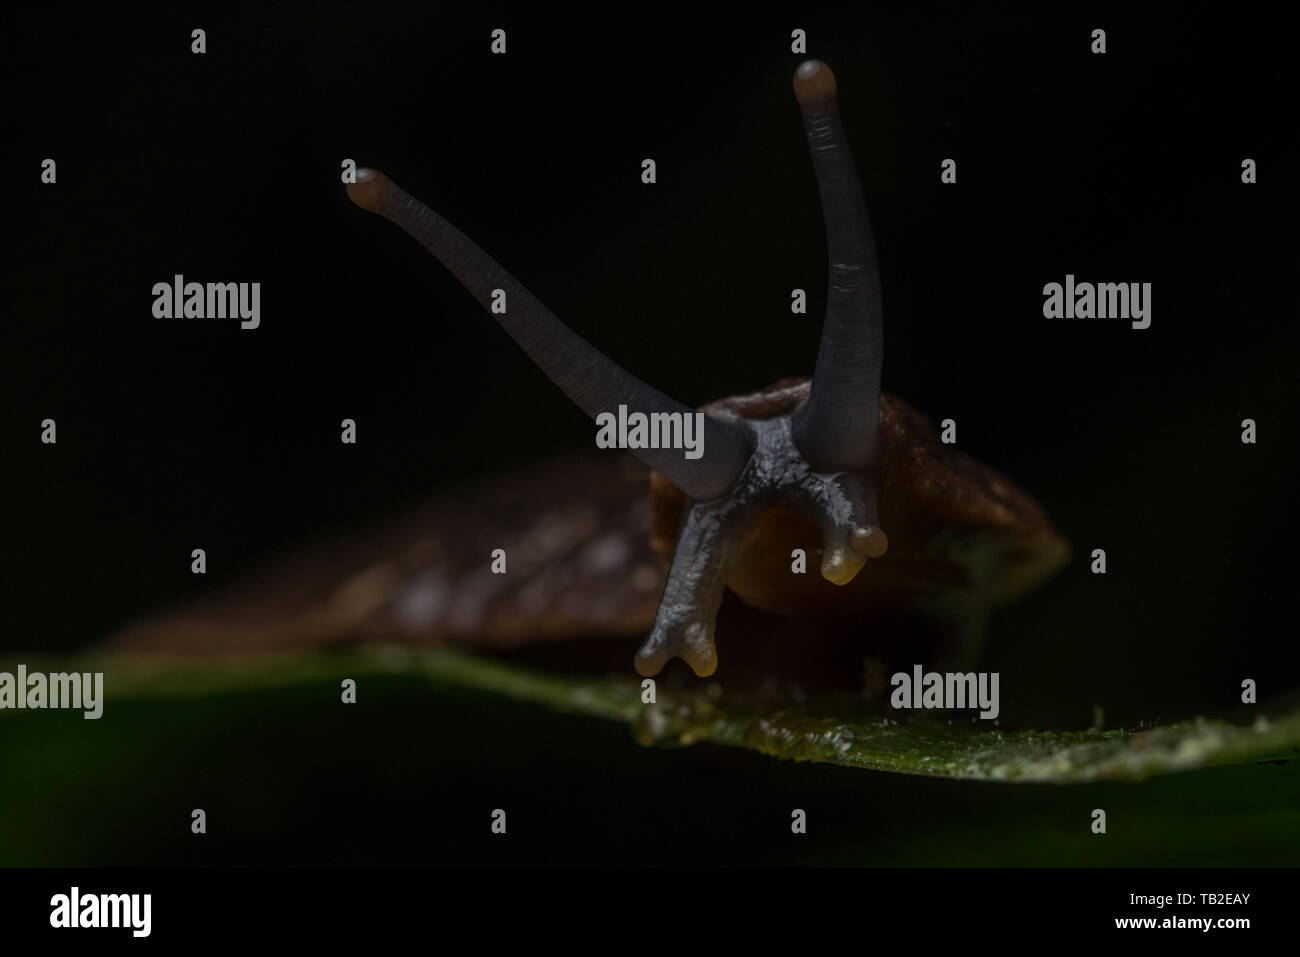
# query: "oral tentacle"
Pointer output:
{"type": "Point", "coordinates": [688, 610]}
{"type": "Point", "coordinates": [845, 504]}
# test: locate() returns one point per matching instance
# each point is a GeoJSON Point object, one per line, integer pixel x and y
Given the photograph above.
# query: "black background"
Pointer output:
{"type": "Point", "coordinates": [175, 434]}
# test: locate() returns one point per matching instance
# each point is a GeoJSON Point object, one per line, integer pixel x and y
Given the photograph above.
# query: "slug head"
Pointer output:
{"type": "Point", "coordinates": [961, 535]}
{"type": "Point", "coordinates": [816, 458]}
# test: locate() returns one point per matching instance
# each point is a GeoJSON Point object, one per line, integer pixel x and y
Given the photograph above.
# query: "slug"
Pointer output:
{"type": "Point", "coordinates": [828, 465]}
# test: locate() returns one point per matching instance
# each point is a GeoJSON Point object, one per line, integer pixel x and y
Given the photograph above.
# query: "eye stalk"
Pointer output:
{"type": "Point", "coordinates": [592, 380]}
{"type": "Point", "coordinates": [839, 428]}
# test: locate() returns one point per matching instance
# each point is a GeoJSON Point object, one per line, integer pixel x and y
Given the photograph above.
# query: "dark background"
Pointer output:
{"type": "Point", "coordinates": [175, 434]}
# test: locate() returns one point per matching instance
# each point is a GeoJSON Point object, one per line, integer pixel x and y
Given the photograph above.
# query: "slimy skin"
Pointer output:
{"type": "Point", "coordinates": [814, 454]}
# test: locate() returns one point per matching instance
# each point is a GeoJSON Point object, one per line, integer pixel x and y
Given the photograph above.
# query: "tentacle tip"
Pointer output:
{"type": "Point", "coordinates": [649, 661]}
{"type": "Point", "coordinates": [698, 650]}
{"type": "Point", "coordinates": [813, 80]}
{"type": "Point", "coordinates": [869, 541]}
{"type": "Point", "coordinates": [370, 190]}
{"type": "Point", "coordinates": [840, 567]}
{"type": "Point", "coordinates": [703, 663]}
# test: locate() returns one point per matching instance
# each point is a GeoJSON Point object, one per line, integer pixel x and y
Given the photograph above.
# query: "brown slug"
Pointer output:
{"type": "Point", "coordinates": [825, 465]}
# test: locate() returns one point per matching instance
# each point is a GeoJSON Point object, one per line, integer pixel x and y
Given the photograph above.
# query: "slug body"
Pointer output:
{"type": "Point", "coordinates": [821, 465]}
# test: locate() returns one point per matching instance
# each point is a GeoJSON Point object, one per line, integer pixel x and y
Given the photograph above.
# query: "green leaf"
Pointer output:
{"type": "Point", "coordinates": [837, 730]}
